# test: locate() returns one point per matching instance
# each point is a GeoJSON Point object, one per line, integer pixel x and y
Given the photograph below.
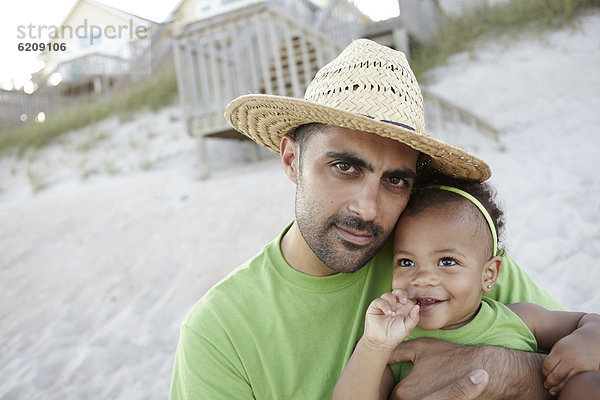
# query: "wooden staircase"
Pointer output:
{"type": "Point", "coordinates": [258, 48]}
{"type": "Point", "coordinates": [301, 60]}
{"type": "Point", "coordinates": [271, 47]}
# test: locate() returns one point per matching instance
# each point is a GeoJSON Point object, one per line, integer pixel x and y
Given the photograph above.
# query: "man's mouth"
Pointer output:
{"type": "Point", "coordinates": [357, 237]}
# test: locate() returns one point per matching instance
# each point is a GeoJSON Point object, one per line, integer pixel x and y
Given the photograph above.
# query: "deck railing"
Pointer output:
{"type": "Point", "coordinates": [259, 48]}
{"type": "Point", "coordinates": [441, 113]}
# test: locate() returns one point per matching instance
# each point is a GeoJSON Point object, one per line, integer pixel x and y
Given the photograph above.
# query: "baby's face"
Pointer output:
{"type": "Point", "coordinates": [439, 262]}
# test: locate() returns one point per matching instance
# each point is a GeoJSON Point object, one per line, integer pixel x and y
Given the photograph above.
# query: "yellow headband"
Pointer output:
{"type": "Point", "coordinates": [478, 204]}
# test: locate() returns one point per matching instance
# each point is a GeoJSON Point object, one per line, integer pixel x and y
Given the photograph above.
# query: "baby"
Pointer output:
{"type": "Point", "coordinates": [445, 256]}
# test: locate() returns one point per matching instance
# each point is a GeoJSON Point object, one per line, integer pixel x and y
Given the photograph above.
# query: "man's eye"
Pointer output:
{"type": "Point", "coordinates": [344, 167]}
{"type": "Point", "coordinates": [405, 262]}
{"type": "Point", "coordinates": [447, 262]}
{"type": "Point", "coordinates": [399, 182]}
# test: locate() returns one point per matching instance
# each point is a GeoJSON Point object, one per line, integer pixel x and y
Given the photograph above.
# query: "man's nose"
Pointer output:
{"type": "Point", "coordinates": [365, 201]}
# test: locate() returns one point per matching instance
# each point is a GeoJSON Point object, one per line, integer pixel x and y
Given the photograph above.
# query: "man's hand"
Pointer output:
{"type": "Point", "coordinates": [442, 369]}
{"type": "Point", "coordinates": [434, 373]}
{"type": "Point", "coordinates": [466, 388]}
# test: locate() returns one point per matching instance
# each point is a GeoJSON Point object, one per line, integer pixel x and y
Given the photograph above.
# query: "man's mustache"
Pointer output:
{"type": "Point", "coordinates": [356, 223]}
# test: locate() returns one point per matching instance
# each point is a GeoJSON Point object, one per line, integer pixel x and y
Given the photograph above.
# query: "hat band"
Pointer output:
{"type": "Point", "coordinates": [390, 122]}
{"type": "Point", "coordinates": [477, 204]}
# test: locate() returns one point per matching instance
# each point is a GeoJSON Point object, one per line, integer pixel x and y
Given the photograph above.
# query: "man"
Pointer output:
{"type": "Point", "coordinates": [284, 324]}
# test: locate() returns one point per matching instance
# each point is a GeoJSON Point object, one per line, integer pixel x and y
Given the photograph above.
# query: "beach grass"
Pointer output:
{"type": "Point", "coordinates": [512, 18]}
{"type": "Point", "coordinates": [153, 94]}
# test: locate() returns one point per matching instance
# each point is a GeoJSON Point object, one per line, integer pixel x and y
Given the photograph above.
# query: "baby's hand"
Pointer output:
{"type": "Point", "coordinates": [389, 320]}
{"type": "Point", "coordinates": [570, 355]}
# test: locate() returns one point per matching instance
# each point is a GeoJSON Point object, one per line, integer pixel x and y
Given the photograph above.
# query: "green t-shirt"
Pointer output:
{"type": "Point", "coordinates": [268, 331]}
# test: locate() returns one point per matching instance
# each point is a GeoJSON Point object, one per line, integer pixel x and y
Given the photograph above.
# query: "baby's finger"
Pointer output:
{"type": "Point", "coordinates": [390, 298]}
{"type": "Point", "coordinates": [556, 389]}
{"type": "Point", "coordinates": [558, 374]}
{"type": "Point", "coordinates": [413, 318]}
{"type": "Point", "coordinates": [381, 306]}
{"type": "Point", "coordinates": [401, 295]}
{"type": "Point", "coordinates": [550, 363]}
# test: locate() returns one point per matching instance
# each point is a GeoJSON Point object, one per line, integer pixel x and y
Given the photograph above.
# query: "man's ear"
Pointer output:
{"type": "Point", "coordinates": [490, 273]}
{"type": "Point", "coordinates": [290, 156]}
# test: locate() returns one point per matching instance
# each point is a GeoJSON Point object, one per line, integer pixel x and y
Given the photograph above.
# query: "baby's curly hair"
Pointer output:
{"type": "Point", "coordinates": [423, 197]}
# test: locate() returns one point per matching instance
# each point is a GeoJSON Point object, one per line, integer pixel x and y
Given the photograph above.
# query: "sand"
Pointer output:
{"type": "Point", "coordinates": [107, 238]}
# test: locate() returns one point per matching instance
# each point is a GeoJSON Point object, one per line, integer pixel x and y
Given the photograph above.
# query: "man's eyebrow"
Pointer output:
{"type": "Point", "coordinates": [353, 159]}
{"type": "Point", "coordinates": [350, 159]}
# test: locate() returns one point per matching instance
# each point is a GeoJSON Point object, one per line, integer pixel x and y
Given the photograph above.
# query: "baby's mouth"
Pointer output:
{"type": "Point", "coordinates": [427, 304]}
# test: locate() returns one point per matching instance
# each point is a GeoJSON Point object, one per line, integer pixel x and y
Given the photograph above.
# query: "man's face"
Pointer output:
{"type": "Point", "coordinates": [352, 186]}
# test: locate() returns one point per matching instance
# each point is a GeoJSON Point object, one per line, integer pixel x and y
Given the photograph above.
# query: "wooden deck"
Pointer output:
{"type": "Point", "coordinates": [260, 48]}
{"type": "Point", "coordinates": [276, 47]}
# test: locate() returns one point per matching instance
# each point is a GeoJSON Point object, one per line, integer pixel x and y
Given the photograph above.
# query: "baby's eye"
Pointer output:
{"type": "Point", "coordinates": [447, 262]}
{"type": "Point", "coordinates": [405, 262]}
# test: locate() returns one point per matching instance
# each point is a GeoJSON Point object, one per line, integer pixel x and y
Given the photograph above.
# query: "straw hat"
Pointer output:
{"type": "Point", "coordinates": [368, 87]}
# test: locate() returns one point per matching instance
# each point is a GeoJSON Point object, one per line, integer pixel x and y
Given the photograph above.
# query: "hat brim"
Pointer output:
{"type": "Point", "coordinates": [267, 118]}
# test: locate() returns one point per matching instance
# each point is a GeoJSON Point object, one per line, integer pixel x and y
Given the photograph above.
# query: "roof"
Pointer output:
{"type": "Point", "coordinates": [108, 8]}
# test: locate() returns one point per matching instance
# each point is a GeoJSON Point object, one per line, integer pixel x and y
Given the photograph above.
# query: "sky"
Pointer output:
{"type": "Point", "coordinates": [18, 65]}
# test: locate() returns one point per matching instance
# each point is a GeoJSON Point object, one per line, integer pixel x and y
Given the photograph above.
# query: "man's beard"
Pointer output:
{"type": "Point", "coordinates": [336, 253]}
